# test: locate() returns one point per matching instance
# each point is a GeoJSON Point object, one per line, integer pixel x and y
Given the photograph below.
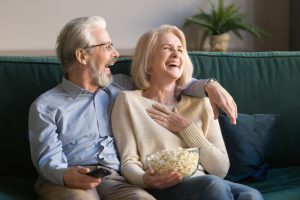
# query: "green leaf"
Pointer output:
{"type": "Point", "coordinates": [222, 19]}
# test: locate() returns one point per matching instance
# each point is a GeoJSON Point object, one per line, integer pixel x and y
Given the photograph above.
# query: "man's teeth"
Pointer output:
{"type": "Point", "coordinates": [109, 65]}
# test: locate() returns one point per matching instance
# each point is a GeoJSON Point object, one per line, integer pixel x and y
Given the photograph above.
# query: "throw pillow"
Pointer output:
{"type": "Point", "coordinates": [248, 143]}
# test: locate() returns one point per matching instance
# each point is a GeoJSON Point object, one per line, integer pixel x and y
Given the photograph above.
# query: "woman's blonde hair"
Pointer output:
{"type": "Point", "coordinates": [144, 54]}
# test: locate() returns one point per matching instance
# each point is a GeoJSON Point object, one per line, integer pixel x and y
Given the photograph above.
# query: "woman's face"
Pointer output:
{"type": "Point", "coordinates": [167, 60]}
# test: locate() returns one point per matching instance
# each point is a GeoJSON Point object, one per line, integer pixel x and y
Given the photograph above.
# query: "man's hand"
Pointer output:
{"type": "Point", "coordinates": [75, 177]}
{"type": "Point", "coordinates": [220, 98]}
{"type": "Point", "coordinates": [171, 120]}
{"type": "Point", "coordinates": [161, 181]}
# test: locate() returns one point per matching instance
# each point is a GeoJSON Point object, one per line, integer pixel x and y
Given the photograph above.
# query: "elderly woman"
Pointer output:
{"type": "Point", "coordinates": [159, 71]}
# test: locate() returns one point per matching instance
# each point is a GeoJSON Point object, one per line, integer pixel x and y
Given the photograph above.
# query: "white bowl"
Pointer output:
{"type": "Point", "coordinates": [184, 161]}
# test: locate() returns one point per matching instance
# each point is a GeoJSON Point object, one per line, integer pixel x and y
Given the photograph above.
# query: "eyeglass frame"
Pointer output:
{"type": "Point", "coordinates": [108, 46]}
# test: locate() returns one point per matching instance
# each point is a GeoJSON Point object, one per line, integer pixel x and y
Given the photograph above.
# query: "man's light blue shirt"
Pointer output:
{"type": "Point", "coordinates": [69, 126]}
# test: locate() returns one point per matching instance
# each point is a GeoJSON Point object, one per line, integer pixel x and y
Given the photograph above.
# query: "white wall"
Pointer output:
{"type": "Point", "coordinates": [32, 25]}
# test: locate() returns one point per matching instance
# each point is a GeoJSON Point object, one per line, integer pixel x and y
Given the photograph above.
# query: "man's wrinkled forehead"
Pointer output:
{"type": "Point", "coordinates": [100, 34]}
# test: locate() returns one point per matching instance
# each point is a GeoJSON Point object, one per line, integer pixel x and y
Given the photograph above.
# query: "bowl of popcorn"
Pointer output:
{"type": "Point", "coordinates": [184, 161]}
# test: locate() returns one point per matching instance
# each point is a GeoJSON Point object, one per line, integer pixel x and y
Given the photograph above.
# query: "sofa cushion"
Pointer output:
{"type": "Point", "coordinates": [249, 144]}
{"type": "Point", "coordinates": [281, 183]}
{"type": "Point", "coordinates": [292, 193]}
{"type": "Point", "coordinates": [12, 188]}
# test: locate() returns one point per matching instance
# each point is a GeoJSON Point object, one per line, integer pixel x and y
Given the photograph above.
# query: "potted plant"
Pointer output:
{"type": "Point", "coordinates": [219, 22]}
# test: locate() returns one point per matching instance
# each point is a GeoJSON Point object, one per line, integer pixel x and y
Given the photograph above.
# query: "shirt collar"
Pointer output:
{"type": "Point", "coordinates": [72, 89]}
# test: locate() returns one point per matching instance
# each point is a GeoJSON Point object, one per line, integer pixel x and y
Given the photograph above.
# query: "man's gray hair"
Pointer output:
{"type": "Point", "coordinates": [75, 34]}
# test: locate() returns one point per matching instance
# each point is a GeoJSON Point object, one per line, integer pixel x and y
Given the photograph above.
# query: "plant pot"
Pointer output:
{"type": "Point", "coordinates": [219, 42]}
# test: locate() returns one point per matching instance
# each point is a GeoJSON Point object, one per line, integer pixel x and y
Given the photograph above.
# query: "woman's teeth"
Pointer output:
{"type": "Point", "coordinates": [173, 64]}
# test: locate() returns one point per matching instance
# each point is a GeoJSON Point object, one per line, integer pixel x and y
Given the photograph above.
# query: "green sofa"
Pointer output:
{"type": "Point", "coordinates": [260, 82]}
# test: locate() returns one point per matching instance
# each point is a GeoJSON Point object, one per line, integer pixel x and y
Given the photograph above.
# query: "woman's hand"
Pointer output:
{"type": "Point", "coordinates": [171, 120]}
{"type": "Point", "coordinates": [161, 181]}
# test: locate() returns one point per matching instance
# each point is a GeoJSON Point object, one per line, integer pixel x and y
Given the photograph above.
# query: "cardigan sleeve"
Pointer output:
{"type": "Point", "coordinates": [206, 135]}
{"type": "Point", "coordinates": [131, 167]}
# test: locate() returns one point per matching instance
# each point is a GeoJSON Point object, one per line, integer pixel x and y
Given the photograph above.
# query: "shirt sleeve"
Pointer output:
{"type": "Point", "coordinates": [123, 82]}
{"type": "Point", "coordinates": [124, 136]}
{"type": "Point", "coordinates": [195, 88]}
{"type": "Point", "coordinates": [45, 147]}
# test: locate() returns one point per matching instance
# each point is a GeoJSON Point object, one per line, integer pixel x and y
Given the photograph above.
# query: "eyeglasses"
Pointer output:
{"type": "Point", "coordinates": [108, 46]}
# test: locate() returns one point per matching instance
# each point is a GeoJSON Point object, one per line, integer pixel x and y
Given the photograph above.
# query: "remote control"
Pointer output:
{"type": "Point", "coordinates": [99, 173]}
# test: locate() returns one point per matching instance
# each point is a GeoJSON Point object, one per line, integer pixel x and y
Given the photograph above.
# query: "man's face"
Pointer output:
{"type": "Point", "coordinates": [101, 57]}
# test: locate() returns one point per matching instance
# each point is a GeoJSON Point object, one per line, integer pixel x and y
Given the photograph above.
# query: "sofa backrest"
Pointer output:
{"type": "Point", "coordinates": [22, 80]}
{"type": "Point", "coordinates": [262, 82]}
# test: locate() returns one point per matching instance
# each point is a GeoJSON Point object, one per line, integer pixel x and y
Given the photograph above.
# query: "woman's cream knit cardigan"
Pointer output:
{"type": "Point", "coordinates": [137, 135]}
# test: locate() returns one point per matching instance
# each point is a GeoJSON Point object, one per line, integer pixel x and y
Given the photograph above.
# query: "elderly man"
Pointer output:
{"type": "Point", "coordinates": [69, 126]}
